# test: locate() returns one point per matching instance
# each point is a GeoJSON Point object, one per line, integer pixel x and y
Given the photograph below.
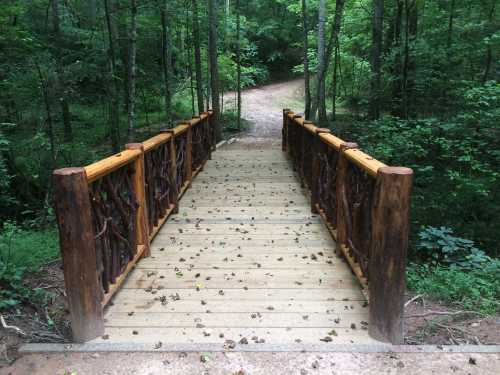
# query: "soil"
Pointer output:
{"type": "Point", "coordinates": [48, 322]}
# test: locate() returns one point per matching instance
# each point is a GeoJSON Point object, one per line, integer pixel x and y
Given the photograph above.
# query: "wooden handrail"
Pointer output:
{"type": "Point", "coordinates": [123, 199]}
{"type": "Point", "coordinates": [365, 206]}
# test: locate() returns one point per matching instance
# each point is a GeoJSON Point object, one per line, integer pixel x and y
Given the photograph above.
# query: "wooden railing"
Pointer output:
{"type": "Point", "coordinates": [109, 212]}
{"type": "Point", "coordinates": [365, 206]}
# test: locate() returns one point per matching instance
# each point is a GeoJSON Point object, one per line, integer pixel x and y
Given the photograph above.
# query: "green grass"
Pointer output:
{"type": "Point", "coordinates": [30, 249]}
{"type": "Point", "coordinates": [473, 290]}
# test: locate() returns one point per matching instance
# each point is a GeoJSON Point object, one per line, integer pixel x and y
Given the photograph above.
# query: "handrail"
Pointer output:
{"type": "Point", "coordinates": [108, 213]}
{"type": "Point", "coordinates": [365, 206]}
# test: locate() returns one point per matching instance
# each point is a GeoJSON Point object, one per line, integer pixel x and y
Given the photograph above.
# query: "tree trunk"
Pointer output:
{"type": "Point", "coordinates": [113, 84]}
{"type": "Point", "coordinates": [197, 56]}
{"type": "Point", "coordinates": [238, 63]}
{"type": "Point", "coordinates": [337, 23]}
{"type": "Point", "coordinates": [489, 53]}
{"type": "Point", "coordinates": [214, 69]}
{"type": "Point", "coordinates": [397, 109]}
{"type": "Point", "coordinates": [411, 15]}
{"type": "Point", "coordinates": [62, 92]}
{"type": "Point", "coordinates": [320, 99]}
{"type": "Point", "coordinates": [166, 58]}
{"type": "Point", "coordinates": [132, 70]}
{"type": "Point", "coordinates": [307, 81]}
{"type": "Point", "coordinates": [335, 80]}
{"type": "Point", "coordinates": [49, 129]}
{"type": "Point", "coordinates": [375, 89]}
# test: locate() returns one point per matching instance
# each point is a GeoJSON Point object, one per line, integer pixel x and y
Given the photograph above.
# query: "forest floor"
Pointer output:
{"type": "Point", "coordinates": [426, 322]}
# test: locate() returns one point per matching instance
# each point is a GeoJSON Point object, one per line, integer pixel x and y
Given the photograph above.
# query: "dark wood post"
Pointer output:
{"type": "Point", "coordinates": [284, 131]}
{"type": "Point", "coordinates": [173, 170]}
{"type": "Point", "coordinates": [140, 193]}
{"type": "Point", "coordinates": [77, 244]}
{"type": "Point", "coordinates": [342, 166]}
{"type": "Point", "coordinates": [188, 164]}
{"type": "Point", "coordinates": [209, 133]}
{"type": "Point", "coordinates": [318, 148]}
{"type": "Point", "coordinates": [212, 129]}
{"type": "Point", "coordinates": [297, 145]}
{"type": "Point", "coordinates": [389, 245]}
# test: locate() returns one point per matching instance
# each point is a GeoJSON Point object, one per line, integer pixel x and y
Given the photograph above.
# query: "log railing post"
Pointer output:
{"type": "Point", "coordinates": [342, 165]}
{"type": "Point", "coordinates": [209, 133]}
{"type": "Point", "coordinates": [188, 163]}
{"type": "Point", "coordinates": [318, 147]}
{"type": "Point", "coordinates": [389, 245]}
{"type": "Point", "coordinates": [139, 184]}
{"type": "Point", "coordinates": [77, 243]}
{"type": "Point", "coordinates": [173, 169]}
{"type": "Point", "coordinates": [297, 145]}
{"type": "Point", "coordinates": [212, 129]}
{"type": "Point", "coordinates": [284, 131]}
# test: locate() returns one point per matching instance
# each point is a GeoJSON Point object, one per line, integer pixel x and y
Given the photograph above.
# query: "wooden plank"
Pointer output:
{"type": "Point", "coordinates": [236, 320]}
{"type": "Point", "coordinates": [269, 335]}
{"type": "Point", "coordinates": [268, 295]}
{"type": "Point", "coordinates": [152, 303]}
{"type": "Point", "coordinates": [106, 166]}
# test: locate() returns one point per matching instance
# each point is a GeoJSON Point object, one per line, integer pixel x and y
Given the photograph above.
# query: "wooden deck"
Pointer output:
{"type": "Point", "coordinates": [244, 261]}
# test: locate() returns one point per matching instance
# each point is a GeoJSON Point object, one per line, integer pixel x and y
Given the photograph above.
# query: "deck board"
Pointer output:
{"type": "Point", "coordinates": [243, 258]}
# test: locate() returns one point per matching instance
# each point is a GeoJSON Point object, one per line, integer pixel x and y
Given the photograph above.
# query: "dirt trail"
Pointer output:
{"type": "Point", "coordinates": [262, 107]}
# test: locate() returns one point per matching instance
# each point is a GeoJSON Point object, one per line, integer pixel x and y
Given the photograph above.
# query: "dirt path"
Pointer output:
{"type": "Point", "coordinates": [262, 106]}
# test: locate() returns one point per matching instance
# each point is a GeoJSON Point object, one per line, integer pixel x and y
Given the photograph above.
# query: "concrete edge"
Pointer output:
{"type": "Point", "coordinates": [338, 348]}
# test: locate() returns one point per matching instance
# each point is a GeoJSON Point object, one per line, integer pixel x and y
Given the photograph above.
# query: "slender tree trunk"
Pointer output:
{"type": "Point", "coordinates": [189, 43]}
{"type": "Point", "coordinates": [377, 29]}
{"type": "Point", "coordinates": [337, 23]}
{"type": "Point", "coordinates": [449, 41]}
{"type": "Point", "coordinates": [489, 53]}
{"type": "Point", "coordinates": [322, 61]}
{"type": "Point", "coordinates": [113, 84]}
{"type": "Point", "coordinates": [307, 81]}
{"type": "Point", "coordinates": [132, 71]}
{"type": "Point", "coordinates": [411, 26]}
{"type": "Point", "coordinates": [61, 88]}
{"type": "Point", "coordinates": [214, 68]}
{"type": "Point", "coordinates": [166, 58]}
{"type": "Point", "coordinates": [397, 69]}
{"type": "Point", "coordinates": [49, 128]}
{"type": "Point", "coordinates": [336, 64]}
{"type": "Point", "coordinates": [197, 56]}
{"type": "Point", "coordinates": [238, 62]}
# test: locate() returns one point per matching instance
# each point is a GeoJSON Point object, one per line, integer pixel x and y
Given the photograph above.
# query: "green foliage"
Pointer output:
{"type": "Point", "coordinates": [475, 290]}
{"type": "Point", "coordinates": [21, 251]}
{"type": "Point", "coordinates": [440, 246]}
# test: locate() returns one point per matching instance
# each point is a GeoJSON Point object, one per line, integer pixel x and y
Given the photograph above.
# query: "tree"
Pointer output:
{"type": "Point", "coordinates": [132, 69]}
{"type": "Point", "coordinates": [61, 89]}
{"type": "Point", "coordinates": [166, 60]}
{"type": "Point", "coordinates": [113, 80]}
{"type": "Point", "coordinates": [377, 26]}
{"type": "Point", "coordinates": [321, 75]}
{"type": "Point", "coordinates": [238, 63]}
{"type": "Point", "coordinates": [307, 84]}
{"type": "Point", "coordinates": [214, 67]}
{"type": "Point", "coordinates": [197, 56]}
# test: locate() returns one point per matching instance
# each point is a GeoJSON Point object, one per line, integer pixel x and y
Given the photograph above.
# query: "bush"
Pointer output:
{"type": "Point", "coordinates": [474, 290]}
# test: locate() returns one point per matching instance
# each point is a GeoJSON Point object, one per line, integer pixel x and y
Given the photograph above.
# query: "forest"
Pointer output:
{"type": "Point", "coordinates": [414, 82]}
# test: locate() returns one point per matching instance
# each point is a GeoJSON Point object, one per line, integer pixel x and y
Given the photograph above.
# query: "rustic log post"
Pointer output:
{"type": "Point", "coordinates": [173, 170]}
{"type": "Point", "coordinates": [212, 130]}
{"type": "Point", "coordinates": [188, 170]}
{"type": "Point", "coordinates": [342, 166]}
{"type": "Point", "coordinates": [77, 244]}
{"type": "Point", "coordinates": [297, 145]}
{"type": "Point", "coordinates": [209, 133]}
{"type": "Point", "coordinates": [318, 148]}
{"type": "Point", "coordinates": [139, 184]}
{"type": "Point", "coordinates": [284, 131]}
{"type": "Point", "coordinates": [389, 245]}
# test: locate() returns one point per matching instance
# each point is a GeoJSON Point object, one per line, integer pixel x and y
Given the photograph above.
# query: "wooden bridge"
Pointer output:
{"type": "Point", "coordinates": [300, 245]}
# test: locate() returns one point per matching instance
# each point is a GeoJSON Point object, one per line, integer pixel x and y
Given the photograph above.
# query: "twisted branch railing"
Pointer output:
{"type": "Point", "coordinates": [365, 206]}
{"type": "Point", "coordinates": [108, 213]}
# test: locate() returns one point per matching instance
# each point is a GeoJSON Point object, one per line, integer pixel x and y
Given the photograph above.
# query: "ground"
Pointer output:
{"type": "Point", "coordinates": [263, 109]}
